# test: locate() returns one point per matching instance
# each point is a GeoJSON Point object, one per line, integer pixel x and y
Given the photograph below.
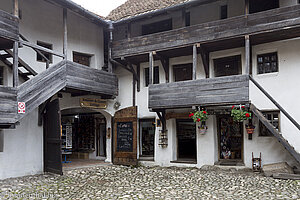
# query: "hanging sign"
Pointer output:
{"type": "Point", "coordinates": [21, 107]}
{"type": "Point", "coordinates": [93, 103]}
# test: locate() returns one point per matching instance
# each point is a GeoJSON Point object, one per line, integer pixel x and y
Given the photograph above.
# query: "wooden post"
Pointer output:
{"type": "Point", "coordinates": [65, 23]}
{"type": "Point", "coordinates": [15, 64]}
{"type": "Point", "coordinates": [128, 30]}
{"type": "Point", "coordinates": [151, 62]}
{"type": "Point", "coordinates": [247, 54]}
{"type": "Point", "coordinates": [138, 71]}
{"type": "Point", "coordinates": [16, 8]}
{"type": "Point", "coordinates": [194, 61]}
{"type": "Point", "coordinates": [110, 28]}
{"type": "Point", "coordinates": [246, 7]}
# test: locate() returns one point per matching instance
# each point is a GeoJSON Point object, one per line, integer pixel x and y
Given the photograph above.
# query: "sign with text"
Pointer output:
{"type": "Point", "coordinates": [21, 107]}
{"type": "Point", "coordinates": [93, 103]}
{"type": "Point", "coordinates": [124, 137]}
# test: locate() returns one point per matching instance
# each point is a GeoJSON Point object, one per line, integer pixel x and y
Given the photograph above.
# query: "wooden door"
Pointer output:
{"type": "Point", "coordinates": [125, 137]}
{"type": "Point", "coordinates": [52, 139]}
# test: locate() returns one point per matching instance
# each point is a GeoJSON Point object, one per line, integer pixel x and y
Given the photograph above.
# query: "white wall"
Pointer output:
{"type": "Point", "coordinates": [23, 149]}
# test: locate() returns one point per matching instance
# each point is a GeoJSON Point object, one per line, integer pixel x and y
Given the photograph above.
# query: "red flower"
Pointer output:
{"type": "Point", "coordinates": [198, 120]}
{"type": "Point", "coordinates": [232, 107]}
{"type": "Point", "coordinates": [191, 115]}
{"type": "Point", "coordinates": [247, 115]}
{"type": "Point", "coordinates": [204, 112]}
{"type": "Point", "coordinates": [243, 107]}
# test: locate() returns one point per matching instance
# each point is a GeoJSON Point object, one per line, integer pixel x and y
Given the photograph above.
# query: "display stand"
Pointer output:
{"type": "Point", "coordinates": [66, 137]}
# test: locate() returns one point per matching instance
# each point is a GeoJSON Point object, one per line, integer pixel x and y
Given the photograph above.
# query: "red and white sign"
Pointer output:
{"type": "Point", "coordinates": [21, 107]}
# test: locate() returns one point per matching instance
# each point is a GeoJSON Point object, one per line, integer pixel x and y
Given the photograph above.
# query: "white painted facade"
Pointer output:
{"type": "Point", "coordinates": [23, 147]}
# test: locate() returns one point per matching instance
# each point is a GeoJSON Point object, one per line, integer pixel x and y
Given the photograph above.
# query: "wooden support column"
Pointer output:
{"type": "Point", "coordinates": [138, 71]}
{"type": "Point", "coordinates": [16, 8]}
{"type": "Point", "coordinates": [65, 23]}
{"type": "Point", "coordinates": [247, 54]}
{"type": "Point", "coordinates": [134, 80]}
{"type": "Point", "coordinates": [151, 63]}
{"type": "Point", "coordinates": [110, 28]}
{"type": "Point", "coordinates": [129, 30]}
{"type": "Point", "coordinates": [246, 7]}
{"type": "Point", "coordinates": [15, 64]}
{"type": "Point", "coordinates": [195, 61]}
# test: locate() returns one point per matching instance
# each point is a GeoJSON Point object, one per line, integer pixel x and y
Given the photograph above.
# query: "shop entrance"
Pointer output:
{"type": "Point", "coordinates": [83, 137]}
{"type": "Point", "coordinates": [230, 137]}
{"type": "Point", "coordinates": [146, 137]}
{"type": "Point", "coordinates": [186, 141]}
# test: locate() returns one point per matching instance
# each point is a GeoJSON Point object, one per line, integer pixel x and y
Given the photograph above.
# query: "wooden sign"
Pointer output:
{"type": "Point", "coordinates": [124, 137]}
{"type": "Point", "coordinates": [93, 103]}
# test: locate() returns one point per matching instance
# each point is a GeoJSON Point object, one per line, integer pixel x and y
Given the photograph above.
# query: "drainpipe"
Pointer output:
{"type": "Point", "coordinates": [110, 28]}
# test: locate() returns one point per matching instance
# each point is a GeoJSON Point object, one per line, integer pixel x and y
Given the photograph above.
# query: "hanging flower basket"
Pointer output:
{"type": "Point", "coordinates": [250, 128]}
{"type": "Point", "coordinates": [199, 116]}
{"type": "Point", "coordinates": [240, 114]}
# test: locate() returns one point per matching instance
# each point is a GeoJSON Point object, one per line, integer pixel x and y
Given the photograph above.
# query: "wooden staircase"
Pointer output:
{"type": "Point", "coordinates": [40, 88]}
{"type": "Point", "coordinates": [25, 71]}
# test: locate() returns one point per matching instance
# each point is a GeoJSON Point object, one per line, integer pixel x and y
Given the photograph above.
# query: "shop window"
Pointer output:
{"type": "Point", "coordinates": [187, 19]}
{"type": "Point", "coordinates": [273, 117]}
{"type": "Point", "coordinates": [47, 55]}
{"type": "Point", "coordinates": [147, 133]}
{"type": "Point", "coordinates": [155, 76]}
{"type": "Point", "coordinates": [1, 141]}
{"type": "Point", "coordinates": [224, 12]}
{"type": "Point", "coordinates": [1, 75]}
{"type": "Point", "coordinates": [228, 66]}
{"type": "Point", "coordinates": [259, 6]}
{"type": "Point", "coordinates": [81, 58]}
{"type": "Point", "coordinates": [183, 72]}
{"type": "Point", "coordinates": [267, 63]}
{"type": "Point", "coordinates": [157, 27]}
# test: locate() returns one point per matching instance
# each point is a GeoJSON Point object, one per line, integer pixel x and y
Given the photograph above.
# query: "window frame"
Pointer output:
{"type": "Point", "coordinates": [263, 62]}
{"type": "Point", "coordinates": [262, 127]}
{"type": "Point", "coordinates": [147, 75]}
{"type": "Point", "coordinates": [48, 55]}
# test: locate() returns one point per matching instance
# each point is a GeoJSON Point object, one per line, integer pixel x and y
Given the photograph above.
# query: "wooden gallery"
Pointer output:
{"type": "Point", "coordinates": [182, 83]}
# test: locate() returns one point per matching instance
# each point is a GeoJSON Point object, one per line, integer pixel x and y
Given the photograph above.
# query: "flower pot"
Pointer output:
{"type": "Point", "coordinates": [202, 129]}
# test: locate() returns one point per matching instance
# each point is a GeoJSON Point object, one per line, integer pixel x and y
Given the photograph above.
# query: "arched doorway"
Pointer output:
{"type": "Point", "coordinates": [83, 136]}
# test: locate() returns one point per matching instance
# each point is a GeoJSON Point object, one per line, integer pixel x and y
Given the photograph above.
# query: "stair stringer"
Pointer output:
{"type": "Point", "coordinates": [276, 133]}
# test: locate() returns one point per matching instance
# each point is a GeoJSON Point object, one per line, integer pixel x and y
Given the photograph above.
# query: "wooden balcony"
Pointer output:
{"type": "Point", "coordinates": [202, 92]}
{"type": "Point", "coordinates": [267, 26]}
{"type": "Point", "coordinates": [9, 29]}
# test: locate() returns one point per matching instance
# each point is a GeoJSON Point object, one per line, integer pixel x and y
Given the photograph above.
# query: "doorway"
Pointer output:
{"type": "Point", "coordinates": [146, 137]}
{"type": "Point", "coordinates": [230, 139]}
{"type": "Point", "coordinates": [186, 140]}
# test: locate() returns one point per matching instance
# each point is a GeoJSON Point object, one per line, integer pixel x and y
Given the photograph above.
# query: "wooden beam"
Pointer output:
{"type": "Point", "coordinates": [65, 23]}
{"type": "Point", "coordinates": [205, 59]}
{"type": "Point", "coordinates": [247, 54]}
{"type": "Point", "coordinates": [15, 64]}
{"type": "Point", "coordinates": [43, 49]}
{"type": "Point", "coordinates": [16, 8]}
{"type": "Point", "coordinates": [195, 61]}
{"type": "Point", "coordinates": [151, 63]}
{"type": "Point", "coordinates": [110, 28]}
{"type": "Point", "coordinates": [165, 63]}
{"type": "Point", "coordinates": [246, 7]}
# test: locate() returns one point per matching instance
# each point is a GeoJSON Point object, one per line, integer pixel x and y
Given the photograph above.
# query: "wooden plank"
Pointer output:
{"type": "Point", "coordinates": [257, 23]}
{"type": "Point", "coordinates": [223, 90]}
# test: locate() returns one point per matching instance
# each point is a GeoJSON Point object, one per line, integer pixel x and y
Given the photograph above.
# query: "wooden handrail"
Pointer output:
{"type": "Point", "coordinates": [275, 102]}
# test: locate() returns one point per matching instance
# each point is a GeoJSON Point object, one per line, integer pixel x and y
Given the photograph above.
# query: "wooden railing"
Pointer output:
{"type": "Point", "coordinates": [9, 26]}
{"type": "Point", "coordinates": [263, 22]}
{"type": "Point", "coordinates": [202, 92]}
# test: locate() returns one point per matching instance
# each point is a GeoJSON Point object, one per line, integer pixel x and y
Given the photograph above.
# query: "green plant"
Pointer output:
{"type": "Point", "coordinates": [199, 116]}
{"type": "Point", "coordinates": [240, 114]}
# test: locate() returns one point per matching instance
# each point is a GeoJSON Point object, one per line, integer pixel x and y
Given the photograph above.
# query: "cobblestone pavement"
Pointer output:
{"type": "Point", "coordinates": [115, 182]}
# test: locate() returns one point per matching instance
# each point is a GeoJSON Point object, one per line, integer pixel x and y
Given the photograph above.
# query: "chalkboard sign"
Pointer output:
{"type": "Point", "coordinates": [124, 137]}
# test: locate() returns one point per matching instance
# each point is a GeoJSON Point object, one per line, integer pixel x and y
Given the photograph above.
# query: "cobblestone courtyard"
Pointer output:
{"type": "Point", "coordinates": [115, 182]}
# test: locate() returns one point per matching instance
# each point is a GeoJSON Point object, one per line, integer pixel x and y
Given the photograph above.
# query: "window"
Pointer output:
{"type": "Point", "coordinates": [267, 63]}
{"type": "Point", "coordinates": [155, 76]}
{"type": "Point", "coordinates": [228, 66]}
{"type": "Point", "coordinates": [224, 12]}
{"type": "Point", "coordinates": [259, 5]}
{"type": "Point", "coordinates": [273, 117]}
{"type": "Point", "coordinates": [1, 75]}
{"type": "Point", "coordinates": [187, 19]}
{"type": "Point", "coordinates": [147, 133]}
{"type": "Point", "coordinates": [47, 55]}
{"type": "Point", "coordinates": [157, 27]}
{"type": "Point", "coordinates": [81, 58]}
{"type": "Point", "coordinates": [1, 141]}
{"type": "Point", "coordinates": [183, 72]}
